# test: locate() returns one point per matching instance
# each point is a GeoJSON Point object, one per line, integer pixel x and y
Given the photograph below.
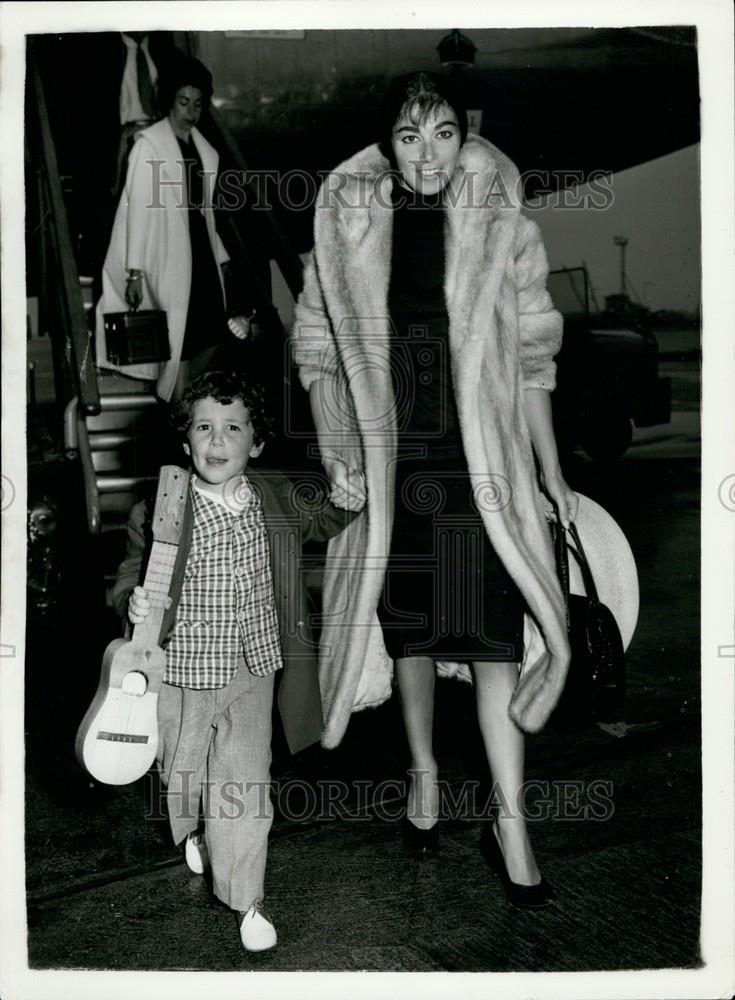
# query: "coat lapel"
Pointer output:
{"type": "Point", "coordinates": [353, 246]}
{"type": "Point", "coordinates": [166, 148]}
{"type": "Point", "coordinates": [276, 518]}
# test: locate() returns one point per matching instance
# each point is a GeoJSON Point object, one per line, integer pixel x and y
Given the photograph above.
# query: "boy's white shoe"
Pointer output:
{"type": "Point", "coordinates": [257, 933]}
{"type": "Point", "coordinates": [196, 853]}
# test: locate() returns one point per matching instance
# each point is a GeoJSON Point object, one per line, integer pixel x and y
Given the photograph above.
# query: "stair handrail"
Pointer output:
{"type": "Point", "coordinates": [77, 446]}
{"type": "Point", "coordinates": [82, 364]}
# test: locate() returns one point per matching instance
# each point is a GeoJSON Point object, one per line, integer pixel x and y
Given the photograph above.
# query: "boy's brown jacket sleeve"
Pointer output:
{"type": "Point", "coordinates": [130, 571]}
{"type": "Point", "coordinates": [319, 518]}
{"type": "Point", "coordinates": [325, 522]}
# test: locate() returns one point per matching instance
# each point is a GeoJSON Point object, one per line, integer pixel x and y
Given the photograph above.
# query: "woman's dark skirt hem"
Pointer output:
{"type": "Point", "coordinates": [447, 594]}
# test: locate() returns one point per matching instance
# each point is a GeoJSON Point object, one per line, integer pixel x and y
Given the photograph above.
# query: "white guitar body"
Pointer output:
{"type": "Point", "coordinates": [117, 740]}
{"type": "Point", "coordinates": [124, 711]}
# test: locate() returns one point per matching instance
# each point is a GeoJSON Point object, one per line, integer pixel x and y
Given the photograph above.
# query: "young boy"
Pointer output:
{"type": "Point", "coordinates": [237, 614]}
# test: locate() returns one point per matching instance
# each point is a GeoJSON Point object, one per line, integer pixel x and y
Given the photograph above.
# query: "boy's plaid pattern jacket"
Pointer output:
{"type": "Point", "coordinates": [227, 607]}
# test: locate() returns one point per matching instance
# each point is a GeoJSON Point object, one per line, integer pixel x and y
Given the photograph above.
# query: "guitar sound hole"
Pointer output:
{"type": "Point", "coordinates": [135, 683]}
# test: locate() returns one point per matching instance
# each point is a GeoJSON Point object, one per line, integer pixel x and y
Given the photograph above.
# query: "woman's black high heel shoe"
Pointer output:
{"type": "Point", "coordinates": [526, 897]}
{"type": "Point", "coordinates": [420, 843]}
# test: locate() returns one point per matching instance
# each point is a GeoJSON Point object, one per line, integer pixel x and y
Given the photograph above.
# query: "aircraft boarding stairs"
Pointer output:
{"type": "Point", "coordinates": [119, 451]}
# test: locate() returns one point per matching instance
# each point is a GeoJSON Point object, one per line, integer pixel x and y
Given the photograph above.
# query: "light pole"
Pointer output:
{"type": "Point", "coordinates": [622, 242]}
{"type": "Point", "coordinates": [456, 51]}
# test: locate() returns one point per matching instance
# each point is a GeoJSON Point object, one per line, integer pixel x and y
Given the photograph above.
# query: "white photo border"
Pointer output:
{"type": "Point", "coordinates": [714, 22]}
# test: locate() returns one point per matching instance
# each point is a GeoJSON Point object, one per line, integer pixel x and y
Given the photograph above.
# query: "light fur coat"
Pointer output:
{"type": "Point", "coordinates": [151, 234]}
{"type": "Point", "coordinates": [503, 336]}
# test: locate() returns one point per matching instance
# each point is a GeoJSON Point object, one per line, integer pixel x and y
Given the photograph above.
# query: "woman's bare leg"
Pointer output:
{"type": "Point", "coordinates": [416, 685]}
{"type": "Point", "coordinates": [504, 746]}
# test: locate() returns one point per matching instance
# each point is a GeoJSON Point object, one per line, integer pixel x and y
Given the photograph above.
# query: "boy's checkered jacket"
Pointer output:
{"type": "Point", "coordinates": [292, 513]}
{"type": "Point", "coordinates": [227, 605]}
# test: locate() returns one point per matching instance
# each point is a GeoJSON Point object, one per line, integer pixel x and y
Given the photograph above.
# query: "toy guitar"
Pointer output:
{"type": "Point", "coordinates": [118, 737]}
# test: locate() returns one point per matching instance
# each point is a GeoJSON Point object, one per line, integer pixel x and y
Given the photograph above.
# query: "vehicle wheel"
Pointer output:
{"type": "Point", "coordinates": [607, 436]}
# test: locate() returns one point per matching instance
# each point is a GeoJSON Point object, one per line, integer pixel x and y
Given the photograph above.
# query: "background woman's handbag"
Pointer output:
{"type": "Point", "coordinates": [595, 685]}
{"type": "Point", "coordinates": [137, 337]}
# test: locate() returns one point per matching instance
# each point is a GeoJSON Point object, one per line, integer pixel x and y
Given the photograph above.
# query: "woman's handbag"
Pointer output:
{"type": "Point", "coordinates": [137, 337]}
{"type": "Point", "coordinates": [595, 685]}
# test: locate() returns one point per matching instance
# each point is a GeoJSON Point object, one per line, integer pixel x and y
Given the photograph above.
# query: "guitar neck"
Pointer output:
{"type": "Point", "coordinates": [156, 584]}
{"type": "Point", "coordinates": [167, 523]}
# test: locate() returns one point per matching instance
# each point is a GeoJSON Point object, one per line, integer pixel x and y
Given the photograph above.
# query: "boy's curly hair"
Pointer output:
{"type": "Point", "coordinates": [224, 387]}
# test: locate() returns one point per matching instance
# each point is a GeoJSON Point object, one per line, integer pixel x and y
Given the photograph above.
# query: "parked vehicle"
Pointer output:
{"type": "Point", "coordinates": [607, 376]}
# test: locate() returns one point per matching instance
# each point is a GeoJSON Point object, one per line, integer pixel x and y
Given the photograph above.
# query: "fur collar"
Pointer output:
{"type": "Point", "coordinates": [359, 189]}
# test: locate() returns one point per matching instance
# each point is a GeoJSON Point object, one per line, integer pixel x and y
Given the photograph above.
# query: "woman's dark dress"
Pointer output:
{"type": "Point", "coordinates": [206, 324]}
{"type": "Point", "coordinates": [447, 595]}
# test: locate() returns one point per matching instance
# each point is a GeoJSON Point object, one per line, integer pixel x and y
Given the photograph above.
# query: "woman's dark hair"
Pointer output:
{"type": "Point", "coordinates": [183, 71]}
{"type": "Point", "coordinates": [419, 94]}
{"type": "Point", "coordinates": [225, 387]}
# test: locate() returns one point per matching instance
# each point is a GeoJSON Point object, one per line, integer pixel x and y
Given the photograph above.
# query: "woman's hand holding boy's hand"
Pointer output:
{"type": "Point", "coordinates": [347, 484]}
{"type": "Point", "coordinates": [138, 606]}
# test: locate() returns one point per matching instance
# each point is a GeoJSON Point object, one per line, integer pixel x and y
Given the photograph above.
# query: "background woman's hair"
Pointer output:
{"type": "Point", "coordinates": [225, 387]}
{"type": "Point", "coordinates": [419, 94]}
{"type": "Point", "coordinates": [183, 71]}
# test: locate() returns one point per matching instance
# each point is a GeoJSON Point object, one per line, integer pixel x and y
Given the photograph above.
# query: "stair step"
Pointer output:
{"type": "Point", "coordinates": [123, 411]}
{"type": "Point", "coordinates": [127, 401]}
{"type": "Point", "coordinates": [111, 528]}
{"type": "Point", "coordinates": [108, 440]}
{"type": "Point", "coordinates": [122, 484]}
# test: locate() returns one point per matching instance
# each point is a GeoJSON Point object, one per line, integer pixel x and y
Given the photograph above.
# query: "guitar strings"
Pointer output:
{"type": "Point", "coordinates": [157, 583]}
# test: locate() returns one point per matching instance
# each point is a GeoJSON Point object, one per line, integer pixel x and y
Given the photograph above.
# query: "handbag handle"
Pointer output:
{"type": "Point", "coordinates": [561, 557]}
{"type": "Point", "coordinates": [562, 548]}
{"type": "Point", "coordinates": [580, 555]}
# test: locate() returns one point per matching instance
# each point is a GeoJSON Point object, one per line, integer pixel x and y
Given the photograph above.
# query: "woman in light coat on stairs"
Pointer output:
{"type": "Point", "coordinates": [165, 252]}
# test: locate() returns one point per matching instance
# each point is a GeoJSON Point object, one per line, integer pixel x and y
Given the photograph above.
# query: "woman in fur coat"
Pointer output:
{"type": "Point", "coordinates": [164, 251]}
{"type": "Point", "coordinates": [425, 337]}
